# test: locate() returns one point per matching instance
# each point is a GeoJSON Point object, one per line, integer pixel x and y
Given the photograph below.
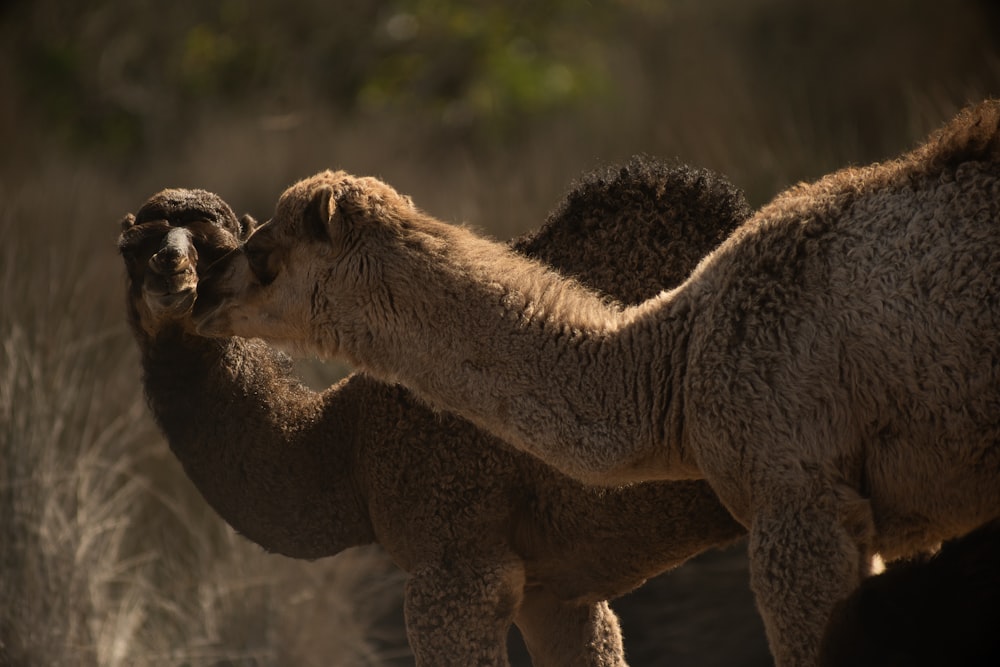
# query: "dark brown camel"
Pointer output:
{"type": "Point", "coordinates": [489, 536]}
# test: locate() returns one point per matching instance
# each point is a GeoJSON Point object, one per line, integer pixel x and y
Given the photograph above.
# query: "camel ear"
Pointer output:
{"type": "Point", "coordinates": [319, 213]}
{"type": "Point", "coordinates": [247, 226]}
{"type": "Point", "coordinates": [127, 222]}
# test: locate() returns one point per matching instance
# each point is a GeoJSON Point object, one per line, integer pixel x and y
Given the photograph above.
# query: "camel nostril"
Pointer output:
{"type": "Point", "coordinates": [176, 254]}
{"type": "Point", "coordinates": [169, 260]}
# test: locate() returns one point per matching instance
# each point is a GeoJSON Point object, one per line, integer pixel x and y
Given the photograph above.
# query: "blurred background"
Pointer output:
{"type": "Point", "coordinates": [485, 113]}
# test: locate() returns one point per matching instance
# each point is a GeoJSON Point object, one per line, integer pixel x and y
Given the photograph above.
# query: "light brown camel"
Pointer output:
{"type": "Point", "coordinates": [832, 370]}
{"type": "Point", "coordinates": [489, 535]}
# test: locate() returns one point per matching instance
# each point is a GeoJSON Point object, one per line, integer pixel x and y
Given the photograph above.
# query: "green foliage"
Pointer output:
{"type": "Point", "coordinates": [111, 75]}
{"type": "Point", "coordinates": [486, 63]}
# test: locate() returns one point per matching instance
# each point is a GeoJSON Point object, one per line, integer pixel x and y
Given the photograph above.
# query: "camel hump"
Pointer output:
{"type": "Point", "coordinates": [647, 210]}
{"type": "Point", "coordinates": [972, 136]}
{"type": "Point", "coordinates": [652, 190]}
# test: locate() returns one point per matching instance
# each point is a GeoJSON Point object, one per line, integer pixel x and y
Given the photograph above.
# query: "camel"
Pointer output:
{"type": "Point", "coordinates": [488, 535]}
{"type": "Point", "coordinates": [830, 369]}
{"type": "Point", "coordinates": [933, 610]}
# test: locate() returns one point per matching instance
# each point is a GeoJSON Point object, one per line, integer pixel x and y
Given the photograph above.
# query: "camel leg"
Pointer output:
{"type": "Point", "coordinates": [461, 616]}
{"type": "Point", "coordinates": [561, 633]}
{"type": "Point", "coordinates": [808, 549]}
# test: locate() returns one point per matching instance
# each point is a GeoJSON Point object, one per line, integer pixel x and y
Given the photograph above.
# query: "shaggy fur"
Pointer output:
{"type": "Point", "coordinates": [924, 612]}
{"type": "Point", "coordinates": [831, 370]}
{"type": "Point", "coordinates": [489, 535]}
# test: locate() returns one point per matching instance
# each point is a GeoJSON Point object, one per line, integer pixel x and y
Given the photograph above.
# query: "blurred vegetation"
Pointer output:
{"type": "Point", "coordinates": [109, 75]}
{"type": "Point", "coordinates": [733, 84]}
{"type": "Point", "coordinates": [484, 112]}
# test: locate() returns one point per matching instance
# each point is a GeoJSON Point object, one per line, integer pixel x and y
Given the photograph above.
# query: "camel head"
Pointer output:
{"type": "Point", "coordinates": [173, 238]}
{"type": "Point", "coordinates": [314, 259]}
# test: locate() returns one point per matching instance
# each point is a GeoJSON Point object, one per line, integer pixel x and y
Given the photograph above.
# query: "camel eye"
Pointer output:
{"type": "Point", "coordinates": [135, 253]}
{"type": "Point", "coordinates": [260, 264]}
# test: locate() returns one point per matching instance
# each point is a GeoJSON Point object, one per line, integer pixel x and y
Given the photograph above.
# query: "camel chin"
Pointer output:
{"type": "Point", "coordinates": [169, 306]}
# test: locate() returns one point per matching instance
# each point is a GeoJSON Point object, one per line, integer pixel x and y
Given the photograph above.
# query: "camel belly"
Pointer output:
{"type": "Point", "coordinates": [922, 493]}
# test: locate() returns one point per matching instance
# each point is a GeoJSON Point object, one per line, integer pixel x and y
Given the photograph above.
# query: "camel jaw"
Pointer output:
{"type": "Point", "coordinates": [167, 304]}
{"type": "Point", "coordinates": [212, 323]}
{"type": "Point", "coordinates": [213, 312]}
{"type": "Point", "coordinates": [218, 302]}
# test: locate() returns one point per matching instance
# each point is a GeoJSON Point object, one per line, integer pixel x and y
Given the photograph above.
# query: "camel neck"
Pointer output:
{"type": "Point", "coordinates": [229, 410]}
{"type": "Point", "coordinates": [517, 336]}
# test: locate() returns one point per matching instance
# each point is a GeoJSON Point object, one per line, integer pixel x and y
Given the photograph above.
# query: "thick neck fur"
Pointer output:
{"type": "Point", "coordinates": [246, 434]}
{"type": "Point", "coordinates": [527, 334]}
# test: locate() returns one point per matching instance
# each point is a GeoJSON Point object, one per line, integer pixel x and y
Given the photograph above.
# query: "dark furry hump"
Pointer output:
{"type": "Point", "coordinates": [182, 207]}
{"type": "Point", "coordinates": [681, 212]}
{"type": "Point", "coordinates": [972, 136]}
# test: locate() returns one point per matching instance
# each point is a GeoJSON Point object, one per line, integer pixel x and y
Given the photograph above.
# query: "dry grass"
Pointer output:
{"type": "Point", "coordinates": [108, 556]}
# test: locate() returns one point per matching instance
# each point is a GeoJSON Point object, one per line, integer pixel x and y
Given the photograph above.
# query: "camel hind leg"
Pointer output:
{"type": "Point", "coordinates": [459, 615]}
{"type": "Point", "coordinates": [562, 633]}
